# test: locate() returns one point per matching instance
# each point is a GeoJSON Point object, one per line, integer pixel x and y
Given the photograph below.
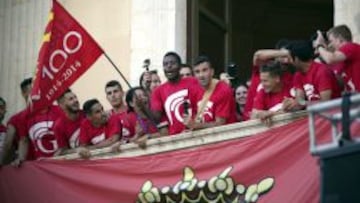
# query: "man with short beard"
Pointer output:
{"type": "Point", "coordinates": [176, 99]}
{"type": "Point", "coordinates": [345, 51]}
{"type": "Point", "coordinates": [217, 106]}
{"type": "Point", "coordinates": [67, 127]}
{"type": "Point", "coordinates": [15, 127]}
{"type": "Point", "coordinates": [98, 130]}
{"type": "Point", "coordinates": [269, 100]}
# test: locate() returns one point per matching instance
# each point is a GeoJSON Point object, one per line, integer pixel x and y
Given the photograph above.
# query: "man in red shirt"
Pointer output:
{"type": "Point", "coordinates": [115, 95]}
{"type": "Point", "coordinates": [169, 99]}
{"type": "Point", "coordinates": [67, 127]}
{"type": "Point", "coordinates": [313, 81]}
{"type": "Point", "coordinates": [39, 133]}
{"type": "Point", "coordinates": [340, 40]}
{"type": "Point", "coordinates": [98, 130]}
{"type": "Point", "coordinates": [213, 109]}
{"type": "Point", "coordinates": [261, 57]}
{"type": "Point", "coordinates": [17, 126]}
{"type": "Point", "coordinates": [269, 100]}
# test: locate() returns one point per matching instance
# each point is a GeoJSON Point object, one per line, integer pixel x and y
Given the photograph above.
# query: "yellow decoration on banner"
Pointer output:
{"type": "Point", "coordinates": [220, 189]}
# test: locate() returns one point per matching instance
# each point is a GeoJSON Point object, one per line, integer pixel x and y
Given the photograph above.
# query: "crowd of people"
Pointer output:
{"type": "Point", "coordinates": [284, 79]}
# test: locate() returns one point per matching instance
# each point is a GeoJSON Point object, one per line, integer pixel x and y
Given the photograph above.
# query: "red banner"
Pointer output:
{"type": "Point", "coordinates": [274, 166]}
{"type": "Point", "coordinates": [66, 53]}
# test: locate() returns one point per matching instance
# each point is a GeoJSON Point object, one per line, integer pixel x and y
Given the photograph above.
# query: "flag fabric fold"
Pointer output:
{"type": "Point", "coordinates": [67, 51]}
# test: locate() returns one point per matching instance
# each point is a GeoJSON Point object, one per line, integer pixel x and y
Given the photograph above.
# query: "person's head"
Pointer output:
{"type": "Point", "coordinates": [155, 80]}
{"type": "Point", "coordinates": [132, 97]}
{"type": "Point", "coordinates": [2, 109]}
{"type": "Point", "coordinates": [69, 102]}
{"type": "Point", "coordinates": [226, 78]}
{"type": "Point", "coordinates": [281, 45]}
{"type": "Point", "coordinates": [302, 52]}
{"type": "Point", "coordinates": [339, 35]}
{"type": "Point", "coordinates": [114, 93]}
{"type": "Point", "coordinates": [25, 87]}
{"type": "Point", "coordinates": [185, 71]}
{"type": "Point", "coordinates": [203, 70]}
{"type": "Point", "coordinates": [171, 65]}
{"type": "Point", "coordinates": [270, 76]}
{"type": "Point", "coordinates": [95, 112]}
{"type": "Point", "coordinates": [241, 94]}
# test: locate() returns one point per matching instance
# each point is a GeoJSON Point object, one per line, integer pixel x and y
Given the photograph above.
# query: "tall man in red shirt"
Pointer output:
{"type": "Point", "coordinates": [98, 130]}
{"type": "Point", "coordinates": [67, 127]}
{"type": "Point", "coordinates": [217, 106]}
{"type": "Point", "coordinates": [313, 81]}
{"type": "Point", "coordinates": [115, 95]}
{"type": "Point", "coordinates": [169, 99]}
{"type": "Point", "coordinates": [269, 100]}
{"type": "Point", "coordinates": [16, 126]}
{"type": "Point", "coordinates": [347, 52]}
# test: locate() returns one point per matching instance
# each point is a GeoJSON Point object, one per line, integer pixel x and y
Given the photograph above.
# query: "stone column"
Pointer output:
{"type": "Point", "coordinates": [157, 26]}
{"type": "Point", "coordinates": [348, 12]}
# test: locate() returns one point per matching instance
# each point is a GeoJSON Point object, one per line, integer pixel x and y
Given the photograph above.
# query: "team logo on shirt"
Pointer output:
{"type": "Point", "coordinates": [207, 111]}
{"type": "Point", "coordinates": [41, 133]}
{"type": "Point", "coordinates": [310, 92]}
{"type": "Point", "coordinates": [74, 139]}
{"type": "Point", "coordinates": [173, 103]}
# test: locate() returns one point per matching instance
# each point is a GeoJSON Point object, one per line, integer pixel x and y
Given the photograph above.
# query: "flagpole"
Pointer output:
{"type": "Point", "coordinates": [117, 69]}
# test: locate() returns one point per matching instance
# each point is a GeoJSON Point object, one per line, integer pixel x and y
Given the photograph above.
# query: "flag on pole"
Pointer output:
{"type": "Point", "coordinates": [67, 51]}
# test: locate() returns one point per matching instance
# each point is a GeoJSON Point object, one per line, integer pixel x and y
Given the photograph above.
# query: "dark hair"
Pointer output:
{"type": "Point", "coordinates": [113, 83]}
{"type": "Point", "coordinates": [273, 68]}
{"type": "Point", "coordinates": [282, 43]}
{"type": "Point", "coordinates": [63, 94]}
{"type": "Point", "coordinates": [237, 105]}
{"type": "Point", "coordinates": [341, 31]}
{"type": "Point", "coordinates": [130, 96]}
{"type": "Point", "coordinates": [2, 102]}
{"type": "Point", "coordinates": [152, 72]}
{"type": "Point", "coordinates": [202, 59]}
{"type": "Point", "coordinates": [174, 54]}
{"type": "Point", "coordinates": [25, 83]}
{"type": "Point", "coordinates": [302, 49]}
{"type": "Point", "coordinates": [88, 105]}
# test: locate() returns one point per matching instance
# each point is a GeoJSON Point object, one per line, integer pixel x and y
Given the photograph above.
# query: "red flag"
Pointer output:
{"type": "Point", "coordinates": [66, 53]}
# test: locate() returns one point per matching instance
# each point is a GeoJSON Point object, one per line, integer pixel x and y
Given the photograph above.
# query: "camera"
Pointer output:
{"type": "Point", "coordinates": [315, 35]}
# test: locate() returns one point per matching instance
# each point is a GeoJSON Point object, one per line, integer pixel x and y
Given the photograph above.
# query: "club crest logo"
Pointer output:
{"type": "Point", "coordinates": [219, 189]}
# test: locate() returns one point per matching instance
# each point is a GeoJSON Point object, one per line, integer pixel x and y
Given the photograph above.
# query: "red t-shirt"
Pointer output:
{"type": "Point", "coordinates": [67, 131]}
{"type": "Point", "coordinates": [128, 130]}
{"type": "Point", "coordinates": [256, 86]}
{"type": "Point", "coordinates": [40, 131]}
{"type": "Point", "coordinates": [148, 127]}
{"type": "Point", "coordinates": [352, 65]}
{"type": "Point", "coordinates": [94, 135]}
{"type": "Point", "coordinates": [220, 104]}
{"type": "Point", "coordinates": [18, 121]}
{"type": "Point", "coordinates": [255, 82]}
{"type": "Point", "coordinates": [317, 79]}
{"type": "Point", "coordinates": [2, 136]}
{"type": "Point", "coordinates": [169, 98]}
{"type": "Point", "coordinates": [271, 101]}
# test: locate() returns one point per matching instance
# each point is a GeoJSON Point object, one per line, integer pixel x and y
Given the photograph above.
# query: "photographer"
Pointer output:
{"type": "Point", "coordinates": [344, 50]}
